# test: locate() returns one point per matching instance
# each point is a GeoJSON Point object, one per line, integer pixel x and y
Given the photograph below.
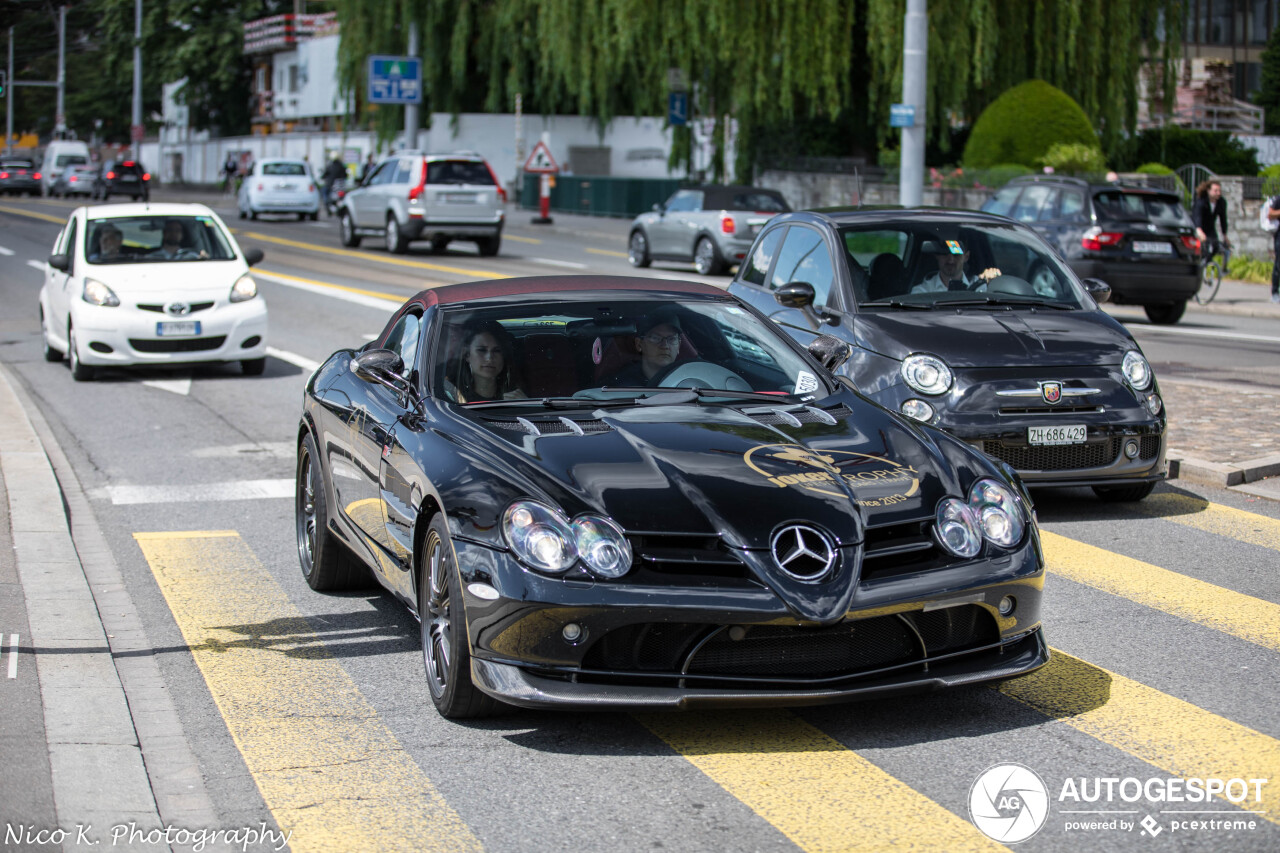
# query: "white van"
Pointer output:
{"type": "Point", "coordinates": [60, 154]}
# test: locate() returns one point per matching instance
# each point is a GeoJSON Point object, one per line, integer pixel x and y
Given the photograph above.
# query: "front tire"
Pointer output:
{"type": "Point", "coordinates": [1123, 494]}
{"type": "Point", "coordinates": [638, 249]}
{"type": "Point", "coordinates": [396, 244]}
{"type": "Point", "coordinates": [50, 354]}
{"type": "Point", "coordinates": [1167, 314]}
{"type": "Point", "coordinates": [446, 654]}
{"type": "Point", "coordinates": [706, 258]}
{"type": "Point", "coordinates": [253, 366]}
{"type": "Point", "coordinates": [80, 371]}
{"type": "Point", "coordinates": [325, 562]}
{"type": "Point", "coordinates": [347, 228]}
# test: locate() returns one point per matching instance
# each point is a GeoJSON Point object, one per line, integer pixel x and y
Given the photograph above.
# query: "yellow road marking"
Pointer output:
{"type": "Point", "coordinates": [1166, 732]}
{"type": "Point", "coordinates": [328, 768]}
{"type": "Point", "coordinates": [520, 239]}
{"type": "Point", "coordinates": [17, 211]}
{"type": "Point", "coordinates": [389, 296]}
{"type": "Point", "coordinates": [606, 252]}
{"type": "Point", "coordinates": [1226, 521]}
{"type": "Point", "coordinates": [817, 792]}
{"type": "Point", "coordinates": [366, 256]}
{"type": "Point", "coordinates": [1225, 610]}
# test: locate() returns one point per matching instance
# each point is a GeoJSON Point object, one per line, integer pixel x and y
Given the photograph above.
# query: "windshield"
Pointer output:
{"type": "Point", "coordinates": [283, 169]}
{"type": "Point", "coordinates": [588, 349]}
{"type": "Point", "coordinates": [920, 263]}
{"type": "Point", "coordinates": [156, 239]}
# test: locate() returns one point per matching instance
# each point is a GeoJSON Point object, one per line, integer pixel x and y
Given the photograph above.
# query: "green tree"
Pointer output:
{"type": "Point", "coordinates": [1023, 123]}
{"type": "Point", "coordinates": [1268, 94]}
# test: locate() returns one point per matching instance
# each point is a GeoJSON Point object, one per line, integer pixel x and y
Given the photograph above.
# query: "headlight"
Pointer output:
{"type": "Point", "coordinates": [926, 374]}
{"type": "Point", "coordinates": [544, 539]}
{"type": "Point", "coordinates": [602, 547]}
{"type": "Point", "coordinates": [917, 410]}
{"type": "Point", "coordinates": [97, 293]}
{"type": "Point", "coordinates": [999, 512]}
{"type": "Point", "coordinates": [244, 289]}
{"type": "Point", "coordinates": [957, 529]}
{"type": "Point", "coordinates": [1136, 370]}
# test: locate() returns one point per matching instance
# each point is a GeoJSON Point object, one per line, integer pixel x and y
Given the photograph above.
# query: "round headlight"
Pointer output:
{"type": "Point", "coordinates": [1136, 370]}
{"type": "Point", "coordinates": [601, 546]}
{"type": "Point", "coordinates": [539, 536]}
{"type": "Point", "coordinates": [97, 293]}
{"type": "Point", "coordinates": [957, 528]}
{"type": "Point", "coordinates": [244, 289]}
{"type": "Point", "coordinates": [999, 513]}
{"type": "Point", "coordinates": [917, 410]}
{"type": "Point", "coordinates": [926, 374]}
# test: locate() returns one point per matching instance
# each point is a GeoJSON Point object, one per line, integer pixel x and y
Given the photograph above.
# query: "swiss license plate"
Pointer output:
{"type": "Point", "coordinates": [285, 186]}
{"type": "Point", "coordinates": [129, 179]}
{"type": "Point", "coordinates": [1151, 248]}
{"type": "Point", "coordinates": [1065, 434]}
{"type": "Point", "coordinates": [460, 198]}
{"type": "Point", "coordinates": [183, 327]}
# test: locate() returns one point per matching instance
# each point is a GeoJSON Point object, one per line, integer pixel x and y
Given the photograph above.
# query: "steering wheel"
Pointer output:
{"type": "Point", "coordinates": [700, 374]}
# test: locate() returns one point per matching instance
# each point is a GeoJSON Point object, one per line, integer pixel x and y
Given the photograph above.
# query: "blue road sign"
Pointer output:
{"type": "Point", "coordinates": [902, 115]}
{"type": "Point", "coordinates": [395, 80]}
{"type": "Point", "coordinates": [678, 109]}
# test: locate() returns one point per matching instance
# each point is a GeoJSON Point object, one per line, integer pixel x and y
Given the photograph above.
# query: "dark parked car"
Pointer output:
{"type": "Point", "coordinates": [1139, 240]}
{"type": "Point", "coordinates": [738, 528]}
{"type": "Point", "coordinates": [710, 226]}
{"type": "Point", "coordinates": [971, 323]}
{"type": "Point", "coordinates": [19, 176]}
{"type": "Point", "coordinates": [121, 177]}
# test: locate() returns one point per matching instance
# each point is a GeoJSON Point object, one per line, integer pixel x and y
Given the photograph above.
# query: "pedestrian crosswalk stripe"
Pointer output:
{"type": "Point", "coordinates": [1237, 524]}
{"type": "Point", "coordinates": [814, 790]}
{"type": "Point", "coordinates": [328, 768]}
{"type": "Point", "coordinates": [1162, 730]}
{"type": "Point", "coordinates": [1216, 607]}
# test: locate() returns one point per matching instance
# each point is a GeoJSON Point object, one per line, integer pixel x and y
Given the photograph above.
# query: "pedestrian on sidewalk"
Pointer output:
{"type": "Point", "coordinates": [1210, 209]}
{"type": "Point", "coordinates": [1273, 213]}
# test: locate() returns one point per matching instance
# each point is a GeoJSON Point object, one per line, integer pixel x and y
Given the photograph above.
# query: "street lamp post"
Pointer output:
{"type": "Point", "coordinates": [915, 69]}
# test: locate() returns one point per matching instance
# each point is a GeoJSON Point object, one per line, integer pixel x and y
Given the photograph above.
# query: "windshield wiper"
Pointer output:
{"type": "Point", "coordinates": [1006, 300]}
{"type": "Point", "coordinates": [551, 403]}
{"type": "Point", "coordinates": [898, 303]}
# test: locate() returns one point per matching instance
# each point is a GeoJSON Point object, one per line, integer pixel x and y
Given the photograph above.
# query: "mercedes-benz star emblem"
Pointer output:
{"type": "Point", "coordinates": [802, 552]}
{"type": "Point", "coordinates": [178, 309]}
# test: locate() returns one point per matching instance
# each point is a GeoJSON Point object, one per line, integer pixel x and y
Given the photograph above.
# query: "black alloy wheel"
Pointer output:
{"type": "Point", "coordinates": [325, 562]}
{"type": "Point", "coordinates": [445, 652]}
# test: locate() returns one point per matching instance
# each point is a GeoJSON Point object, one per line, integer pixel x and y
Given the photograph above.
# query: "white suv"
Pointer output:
{"type": "Point", "coordinates": [417, 196]}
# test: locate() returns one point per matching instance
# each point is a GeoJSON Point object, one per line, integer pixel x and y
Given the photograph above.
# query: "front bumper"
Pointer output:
{"type": "Point", "coordinates": [108, 336]}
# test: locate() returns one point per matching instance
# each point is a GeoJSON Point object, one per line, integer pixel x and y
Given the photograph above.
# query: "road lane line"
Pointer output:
{"type": "Point", "coordinates": [370, 298]}
{"type": "Point", "coordinates": [13, 655]}
{"type": "Point", "coordinates": [1234, 613]}
{"type": "Point", "coordinates": [366, 256]}
{"type": "Point", "coordinates": [814, 790]}
{"type": "Point", "coordinates": [6, 252]}
{"type": "Point", "coordinates": [326, 765]}
{"type": "Point", "coordinates": [1237, 524]}
{"type": "Point", "coordinates": [31, 214]}
{"type": "Point", "coordinates": [36, 265]}
{"type": "Point", "coordinates": [533, 240]}
{"type": "Point", "coordinates": [1162, 730]}
{"type": "Point", "coordinates": [1201, 333]}
{"type": "Point", "coordinates": [293, 358]}
{"type": "Point", "coordinates": [607, 252]}
{"type": "Point", "coordinates": [552, 262]}
{"type": "Point", "coordinates": [239, 490]}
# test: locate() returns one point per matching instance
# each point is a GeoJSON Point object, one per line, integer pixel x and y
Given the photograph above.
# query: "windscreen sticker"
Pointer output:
{"type": "Point", "coordinates": [955, 247]}
{"type": "Point", "coordinates": [597, 352]}
{"type": "Point", "coordinates": [805, 382]}
{"type": "Point", "coordinates": [873, 480]}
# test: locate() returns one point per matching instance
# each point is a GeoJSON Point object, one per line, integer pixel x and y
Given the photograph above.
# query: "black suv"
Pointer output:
{"type": "Point", "coordinates": [121, 177]}
{"type": "Point", "coordinates": [1137, 239]}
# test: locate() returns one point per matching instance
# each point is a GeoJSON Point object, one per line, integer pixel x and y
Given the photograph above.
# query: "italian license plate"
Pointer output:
{"type": "Point", "coordinates": [460, 198]}
{"type": "Point", "coordinates": [1152, 248]}
{"type": "Point", "coordinates": [184, 327]}
{"type": "Point", "coordinates": [1065, 434]}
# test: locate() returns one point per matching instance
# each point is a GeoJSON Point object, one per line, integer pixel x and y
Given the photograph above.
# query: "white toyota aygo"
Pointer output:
{"type": "Point", "coordinates": [140, 284]}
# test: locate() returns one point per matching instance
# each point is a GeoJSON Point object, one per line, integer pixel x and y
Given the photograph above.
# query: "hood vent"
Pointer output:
{"type": "Point", "coordinates": [798, 415]}
{"type": "Point", "coordinates": [560, 426]}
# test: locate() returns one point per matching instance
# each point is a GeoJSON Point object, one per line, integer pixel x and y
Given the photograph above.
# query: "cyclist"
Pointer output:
{"type": "Point", "coordinates": [1210, 209]}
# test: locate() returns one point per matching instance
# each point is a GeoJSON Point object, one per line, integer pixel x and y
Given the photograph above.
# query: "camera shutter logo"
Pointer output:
{"type": "Point", "coordinates": [1009, 803]}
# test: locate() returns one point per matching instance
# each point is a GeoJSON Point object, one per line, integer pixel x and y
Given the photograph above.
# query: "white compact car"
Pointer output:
{"type": "Point", "coordinates": [279, 186]}
{"type": "Point", "coordinates": [133, 284]}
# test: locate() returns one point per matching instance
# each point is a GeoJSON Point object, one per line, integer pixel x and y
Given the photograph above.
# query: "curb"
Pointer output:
{"type": "Point", "coordinates": [1222, 474]}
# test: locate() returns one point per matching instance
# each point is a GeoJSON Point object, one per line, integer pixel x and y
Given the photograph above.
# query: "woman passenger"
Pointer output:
{"type": "Point", "coordinates": [483, 365]}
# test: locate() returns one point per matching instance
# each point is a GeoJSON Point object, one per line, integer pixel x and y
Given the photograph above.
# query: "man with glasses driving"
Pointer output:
{"type": "Point", "coordinates": [658, 340]}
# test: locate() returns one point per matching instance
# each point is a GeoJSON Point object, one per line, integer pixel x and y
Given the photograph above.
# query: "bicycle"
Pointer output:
{"type": "Point", "coordinates": [1210, 280]}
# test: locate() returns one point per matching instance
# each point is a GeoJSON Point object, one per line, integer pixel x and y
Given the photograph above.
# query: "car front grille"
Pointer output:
{"type": "Point", "coordinates": [688, 559]}
{"type": "Point", "coordinates": [159, 309]}
{"type": "Point", "coordinates": [149, 345]}
{"type": "Point", "coordinates": [784, 655]}
{"type": "Point", "coordinates": [1062, 457]}
{"type": "Point", "coordinates": [1149, 447]}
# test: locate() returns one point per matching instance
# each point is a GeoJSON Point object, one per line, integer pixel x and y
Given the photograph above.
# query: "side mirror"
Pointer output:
{"type": "Point", "coordinates": [380, 367]}
{"type": "Point", "coordinates": [1098, 289]}
{"type": "Point", "coordinates": [798, 294]}
{"type": "Point", "coordinates": [253, 256]}
{"type": "Point", "coordinates": [830, 351]}
{"type": "Point", "coordinates": [658, 209]}
{"type": "Point", "coordinates": [60, 262]}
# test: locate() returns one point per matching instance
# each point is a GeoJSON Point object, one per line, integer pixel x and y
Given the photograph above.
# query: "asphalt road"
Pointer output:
{"type": "Point", "coordinates": [1164, 617]}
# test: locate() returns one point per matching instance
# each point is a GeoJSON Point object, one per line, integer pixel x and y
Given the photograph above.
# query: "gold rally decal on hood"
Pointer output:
{"type": "Point", "coordinates": [874, 480]}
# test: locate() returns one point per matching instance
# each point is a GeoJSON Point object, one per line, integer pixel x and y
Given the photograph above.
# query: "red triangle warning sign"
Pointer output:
{"type": "Point", "coordinates": [540, 160]}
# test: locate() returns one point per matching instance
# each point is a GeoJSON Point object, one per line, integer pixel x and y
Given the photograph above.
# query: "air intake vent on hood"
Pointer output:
{"type": "Point", "coordinates": [549, 427]}
{"type": "Point", "coordinates": [798, 415]}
